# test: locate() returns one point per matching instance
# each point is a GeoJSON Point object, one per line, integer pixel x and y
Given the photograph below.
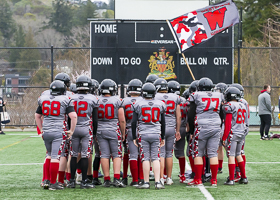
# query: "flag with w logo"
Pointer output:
{"type": "Point", "coordinates": [200, 25]}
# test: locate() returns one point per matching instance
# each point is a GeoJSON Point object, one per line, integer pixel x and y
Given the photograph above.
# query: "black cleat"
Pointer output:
{"type": "Point", "coordinates": [71, 184]}
{"type": "Point", "coordinates": [107, 183]}
{"type": "Point", "coordinates": [2, 133]}
{"type": "Point", "coordinates": [145, 185]}
{"type": "Point", "coordinates": [141, 182]}
{"type": "Point", "coordinates": [56, 186]}
{"type": "Point", "coordinates": [124, 181]}
{"type": "Point", "coordinates": [118, 183]}
{"type": "Point", "coordinates": [86, 185]}
{"type": "Point", "coordinates": [220, 170]}
{"type": "Point", "coordinates": [229, 182]}
{"type": "Point", "coordinates": [46, 184]}
{"type": "Point", "coordinates": [135, 184]}
{"type": "Point", "coordinates": [243, 181]}
{"type": "Point", "coordinates": [96, 181]}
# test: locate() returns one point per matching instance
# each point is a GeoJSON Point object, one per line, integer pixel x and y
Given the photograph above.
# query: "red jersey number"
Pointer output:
{"type": "Point", "coordinates": [128, 111]}
{"type": "Point", "coordinates": [51, 108]}
{"type": "Point", "coordinates": [106, 111]}
{"type": "Point", "coordinates": [153, 115]}
{"type": "Point", "coordinates": [83, 106]}
{"type": "Point", "coordinates": [240, 116]}
{"type": "Point", "coordinates": [209, 100]}
{"type": "Point", "coordinates": [170, 106]}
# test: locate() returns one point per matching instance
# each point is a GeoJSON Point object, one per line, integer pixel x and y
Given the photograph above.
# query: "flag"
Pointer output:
{"type": "Point", "coordinates": [200, 25]}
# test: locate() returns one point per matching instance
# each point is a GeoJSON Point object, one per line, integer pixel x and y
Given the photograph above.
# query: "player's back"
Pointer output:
{"type": "Point", "coordinates": [171, 101]}
{"type": "Point", "coordinates": [84, 105]}
{"type": "Point", "coordinates": [207, 107]}
{"type": "Point", "coordinates": [108, 112]}
{"type": "Point", "coordinates": [128, 104]}
{"type": "Point", "coordinates": [239, 115]}
{"type": "Point", "coordinates": [54, 110]}
{"type": "Point", "coordinates": [149, 115]}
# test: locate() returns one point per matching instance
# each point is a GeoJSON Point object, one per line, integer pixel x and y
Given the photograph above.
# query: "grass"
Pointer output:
{"type": "Point", "coordinates": [22, 181]}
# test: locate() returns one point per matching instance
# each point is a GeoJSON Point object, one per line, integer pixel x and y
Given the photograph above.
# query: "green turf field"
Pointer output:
{"type": "Point", "coordinates": [21, 158]}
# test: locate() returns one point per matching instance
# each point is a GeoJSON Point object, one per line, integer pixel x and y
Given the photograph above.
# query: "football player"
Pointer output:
{"type": "Point", "coordinates": [54, 108]}
{"type": "Point", "coordinates": [205, 117]}
{"type": "Point", "coordinates": [86, 106]}
{"type": "Point", "coordinates": [151, 78]}
{"type": "Point", "coordinates": [111, 130]}
{"type": "Point", "coordinates": [220, 87]}
{"type": "Point", "coordinates": [235, 132]}
{"type": "Point", "coordinates": [150, 116]}
{"type": "Point", "coordinates": [192, 89]}
{"type": "Point", "coordinates": [95, 165]}
{"type": "Point", "coordinates": [242, 100]}
{"type": "Point", "coordinates": [179, 149]}
{"type": "Point", "coordinates": [173, 123]}
{"type": "Point", "coordinates": [65, 153]}
{"type": "Point", "coordinates": [133, 91]}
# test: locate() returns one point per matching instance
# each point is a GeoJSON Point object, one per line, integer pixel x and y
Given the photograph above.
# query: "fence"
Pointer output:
{"type": "Point", "coordinates": [258, 66]}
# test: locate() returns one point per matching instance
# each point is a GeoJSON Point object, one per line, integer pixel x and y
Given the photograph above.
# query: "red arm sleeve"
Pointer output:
{"type": "Point", "coordinates": [227, 125]}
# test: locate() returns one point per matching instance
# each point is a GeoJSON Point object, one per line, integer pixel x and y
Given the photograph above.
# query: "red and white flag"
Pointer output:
{"type": "Point", "coordinates": [200, 25]}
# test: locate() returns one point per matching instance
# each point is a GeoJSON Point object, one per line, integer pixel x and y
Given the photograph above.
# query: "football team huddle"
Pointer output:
{"type": "Point", "coordinates": [141, 131]}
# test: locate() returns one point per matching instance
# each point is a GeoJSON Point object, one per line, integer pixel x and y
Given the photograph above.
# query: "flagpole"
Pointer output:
{"type": "Point", "coordinates": [188, 66]}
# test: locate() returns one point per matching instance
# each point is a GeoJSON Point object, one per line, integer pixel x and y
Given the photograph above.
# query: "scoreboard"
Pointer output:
{"type": "Point", "coordinates": [122, 50]}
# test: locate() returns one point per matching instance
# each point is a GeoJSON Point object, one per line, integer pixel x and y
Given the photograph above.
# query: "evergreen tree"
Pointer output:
{"type": "Point", "coordinates": [111, 5]}
{"type": "Point", "coordinates": [84, 12]}
{"type": "Point", "coordinates": [7, 24]}
{"type": "Point", "coordinates": [29, 58]}
{"type": "Point", "coordinates": [62, 17]}
{"type": "Point", "coordinates": [19, 42]}
{"type": "Point", "coordinates": [256, 14]}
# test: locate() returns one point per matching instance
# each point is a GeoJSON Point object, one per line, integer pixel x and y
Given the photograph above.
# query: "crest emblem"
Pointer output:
{"type": "Point", "coordinates": [162, 64]}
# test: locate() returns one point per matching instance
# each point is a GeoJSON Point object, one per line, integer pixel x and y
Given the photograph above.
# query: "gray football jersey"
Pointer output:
{"type": "Point", "coordinates": [128, 104]}
{"type": "Point", "coordinates": [149, 115]}
{"type": "Point", "coordinates": [207, 107]}
{"type": "Point", "coordinates": [54, 111]}
{"type": "Point", "coordinates": [108, 112]}
{"type": "Point", "coordinates": [84, 105]}
{"type": "Point", "coordinates": [184, 111]}
{"type": "Point", "coordinates": [247, 109]}
{"type": "Point", "coordinates": [171, 101]}
{"type": "Point", "coordinates": [239, 115]}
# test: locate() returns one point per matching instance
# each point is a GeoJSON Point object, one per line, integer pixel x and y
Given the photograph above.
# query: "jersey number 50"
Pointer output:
{"type": "Point", "coordinates": [150, 116]}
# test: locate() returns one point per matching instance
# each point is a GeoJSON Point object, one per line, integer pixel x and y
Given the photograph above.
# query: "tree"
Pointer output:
{"type": "Point", "coordinates": [109, 14]}
{"type": "Point", "coordinates": [62, 17]}
{"type": "Point", "coordinates": [256, 14]}
{"type": "Point", "coordinates": [111, 5]}
{"type": "Point", "coordinates": [19, 42]}
{"type": "Point", "coordinates": [84, 12]}
{"type": "Point", "coordinates": [7, 24]}
{"type": "Point", "coordinates": [29, 58]}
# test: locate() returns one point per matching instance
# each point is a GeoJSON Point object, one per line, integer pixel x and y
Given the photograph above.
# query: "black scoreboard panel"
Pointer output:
{"type": "Point", "coordinates": [123, 50]}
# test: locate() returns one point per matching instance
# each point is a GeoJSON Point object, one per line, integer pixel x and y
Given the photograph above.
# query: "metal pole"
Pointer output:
{"type": "Point", "coordinates": [239, 44]}
{"type": "Point", "coordinates": [52, 63]}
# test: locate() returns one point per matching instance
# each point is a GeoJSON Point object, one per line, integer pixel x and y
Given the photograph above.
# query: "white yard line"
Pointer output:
{"type": "Point", "coordinates": [205, 192]}
{"type": "Point", "coordinates": [21, 164]}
